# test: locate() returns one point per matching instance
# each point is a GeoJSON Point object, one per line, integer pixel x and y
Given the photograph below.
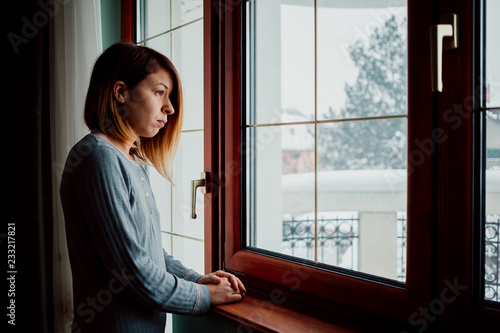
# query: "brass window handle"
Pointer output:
{"type": "Point", "coordinates": [194, 185]}
{"type": "Point", "coordinates": [443, 37]}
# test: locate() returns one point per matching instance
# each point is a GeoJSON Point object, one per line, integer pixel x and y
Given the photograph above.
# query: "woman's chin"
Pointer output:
{"type": "Point", "coordinates": [150, 134]}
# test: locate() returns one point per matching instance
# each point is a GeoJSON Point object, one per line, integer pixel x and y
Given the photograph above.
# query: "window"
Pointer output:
{"type": "Point", "coordinates": [270, 167]}
{"type": "Point", "coordinates": [267, 112]}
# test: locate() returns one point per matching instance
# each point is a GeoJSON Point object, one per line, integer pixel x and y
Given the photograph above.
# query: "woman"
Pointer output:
{"type": "Point", "coordinates": [123, 280]}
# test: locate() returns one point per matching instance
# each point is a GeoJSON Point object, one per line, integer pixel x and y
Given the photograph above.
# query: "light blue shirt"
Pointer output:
{"type": "Point", "coordinates": [123, 280]}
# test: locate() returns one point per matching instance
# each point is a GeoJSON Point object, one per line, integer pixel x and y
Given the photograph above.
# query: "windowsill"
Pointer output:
{"type": "Point", "coordinates": [267, 317]}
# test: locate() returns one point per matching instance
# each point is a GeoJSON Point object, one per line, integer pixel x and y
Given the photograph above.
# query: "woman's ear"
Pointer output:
{"type": "Point", "coordinates": [119, 91]}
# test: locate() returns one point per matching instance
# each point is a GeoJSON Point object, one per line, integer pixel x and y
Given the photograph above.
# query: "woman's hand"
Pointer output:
{"type": "Point", "coordinates": [216, 277]}
{"type": "Point", "coordinates": [223, 292]}
{"type": "Point", "coordinates": [224, 287]}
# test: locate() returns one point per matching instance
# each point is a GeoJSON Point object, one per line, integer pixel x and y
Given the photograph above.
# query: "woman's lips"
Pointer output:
{"type": "Point", "coordinates": [162, 122]}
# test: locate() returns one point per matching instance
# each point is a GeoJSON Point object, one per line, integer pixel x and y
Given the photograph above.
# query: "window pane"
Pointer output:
{"type": "Point", "coordinates": [492, 226]}
{"type": "Point", "coordinates": [154, 18]}
{"type": "Point", "coordinates": [187, 55]}
{"type": "Point", "coordinates": [492, 52]}
{"type": "Point", "coordinates": [184, 11]}
{"type": "Point", "coordinates": [362, 59]}
{"type": "Point", "coordinates": [282, 61]}
{"type": "Point", "coordinates": [332, 189]}
{"type": "Point", "coordinates": [161, 44]}
{"type": "Point", "coordinates": [365, 172]}
{"type": "Point", "coordinates": [280, 187]}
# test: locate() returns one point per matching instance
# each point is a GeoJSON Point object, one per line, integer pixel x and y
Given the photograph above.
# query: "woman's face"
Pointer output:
{"type": "Point", "coordinates": [147, 105]}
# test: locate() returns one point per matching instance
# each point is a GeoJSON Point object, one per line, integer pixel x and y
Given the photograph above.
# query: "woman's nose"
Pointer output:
{"type": "Point", "coordinates": [168, 109]}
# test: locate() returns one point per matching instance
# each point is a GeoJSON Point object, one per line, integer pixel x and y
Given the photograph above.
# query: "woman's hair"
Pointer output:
{"type": "Point", "coordinates": [132, 64]}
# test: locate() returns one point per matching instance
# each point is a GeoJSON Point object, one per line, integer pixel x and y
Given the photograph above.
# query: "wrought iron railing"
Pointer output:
{"type": "Point", "coordinates": [338, 245]}
{"type": "Point", "coordinates": [401, 246]}
{"type": "Point", "coordinates": [491, 255]}
{"type": "Point", "coordinates": [337, 240]}
{"type": "Point", "coordinates": [492, 258]}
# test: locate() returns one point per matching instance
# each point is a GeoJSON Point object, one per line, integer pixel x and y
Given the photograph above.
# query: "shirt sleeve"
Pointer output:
{"type": "Point", "coordinates": [176, 268]}
{"type": "Point", "coordinates": [103, 189]}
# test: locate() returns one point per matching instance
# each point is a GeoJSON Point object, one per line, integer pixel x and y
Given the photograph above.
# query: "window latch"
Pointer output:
{"type": "Point", "coordinates": [443, 37]}
{"type": "Point", "coordinates": [194, 185]}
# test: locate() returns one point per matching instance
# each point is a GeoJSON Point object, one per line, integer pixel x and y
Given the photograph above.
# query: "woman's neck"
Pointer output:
{"type": "Point", "coordinates": [121, 145]}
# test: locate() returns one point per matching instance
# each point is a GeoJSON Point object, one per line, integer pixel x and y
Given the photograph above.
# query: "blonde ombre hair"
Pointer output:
{"type": "Point", "coordinates": [132, 64]}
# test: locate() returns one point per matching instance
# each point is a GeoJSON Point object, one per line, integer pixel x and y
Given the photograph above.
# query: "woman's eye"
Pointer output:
{"type": "Point", "coordinates": [160, 92]}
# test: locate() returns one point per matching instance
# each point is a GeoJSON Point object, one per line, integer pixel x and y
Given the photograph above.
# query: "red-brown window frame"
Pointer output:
{"type": "Point", "coordinates": [314, 287]}
{"type": "Point", "coordinates": [127, 24]}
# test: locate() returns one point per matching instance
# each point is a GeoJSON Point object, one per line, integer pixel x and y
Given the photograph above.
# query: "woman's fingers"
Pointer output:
{"type": "Point", "coordinates": [235, 297]}
{"type": "Point", "coordinates": [215, 279]}
{"type": "Point", "coordinates": [235, 282]}
{"type": "Point", "coordinates": [209, 278]}
{"type": "Point", "coordinates": [223, 293]}
{"type": "Point", "coordinates": [220, 276]}
{"type": "Point", "coordinates": [241, 286]}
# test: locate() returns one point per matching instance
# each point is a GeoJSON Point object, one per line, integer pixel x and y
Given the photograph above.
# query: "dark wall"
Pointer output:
{"type": "Point", "coordinates": [26, 179]}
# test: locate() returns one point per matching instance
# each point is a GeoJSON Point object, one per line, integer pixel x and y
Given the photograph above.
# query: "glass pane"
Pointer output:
{"type": "Point", "coordinates": [492, 226]}
{"type": "Point", "coordinates": [184, 11]}
{"type": "Point", "coordinates": [156, 17]}
{"type": "Point", "coordinates": [160, 44]}
{"type": "Point", "coordinates": [362, 59]}
{"type": "Point", "coordinates": [337, 241]}
{"type": "Point", "coordinates": [330, 190]}
{"type": "Point", "coordinates": [280, 188]}
{"type": "Point", "coordinates": [187, 56]}
{"type": "Point", "coordinates": [364, 173]}
{"type": "Point", "coordinates": [492, 52]}
{"type": "Point", "coordinates": [281, 75]}
{"type": "Point", "coordinates": [188, 164]}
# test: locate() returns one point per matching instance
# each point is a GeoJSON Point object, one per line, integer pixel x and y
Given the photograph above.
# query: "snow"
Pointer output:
{"type": "Point", "coordinates": [390, 180]}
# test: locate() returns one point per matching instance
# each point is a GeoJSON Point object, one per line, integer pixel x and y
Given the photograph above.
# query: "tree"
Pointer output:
{"type": "Point", "coordinates": [380, 89]}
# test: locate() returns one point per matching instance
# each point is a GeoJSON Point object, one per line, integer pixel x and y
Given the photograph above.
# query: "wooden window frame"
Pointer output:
{"type": "Point", "coordinates": [128, 21]}
{"type": "Point", "coordinates": [318, 290]}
